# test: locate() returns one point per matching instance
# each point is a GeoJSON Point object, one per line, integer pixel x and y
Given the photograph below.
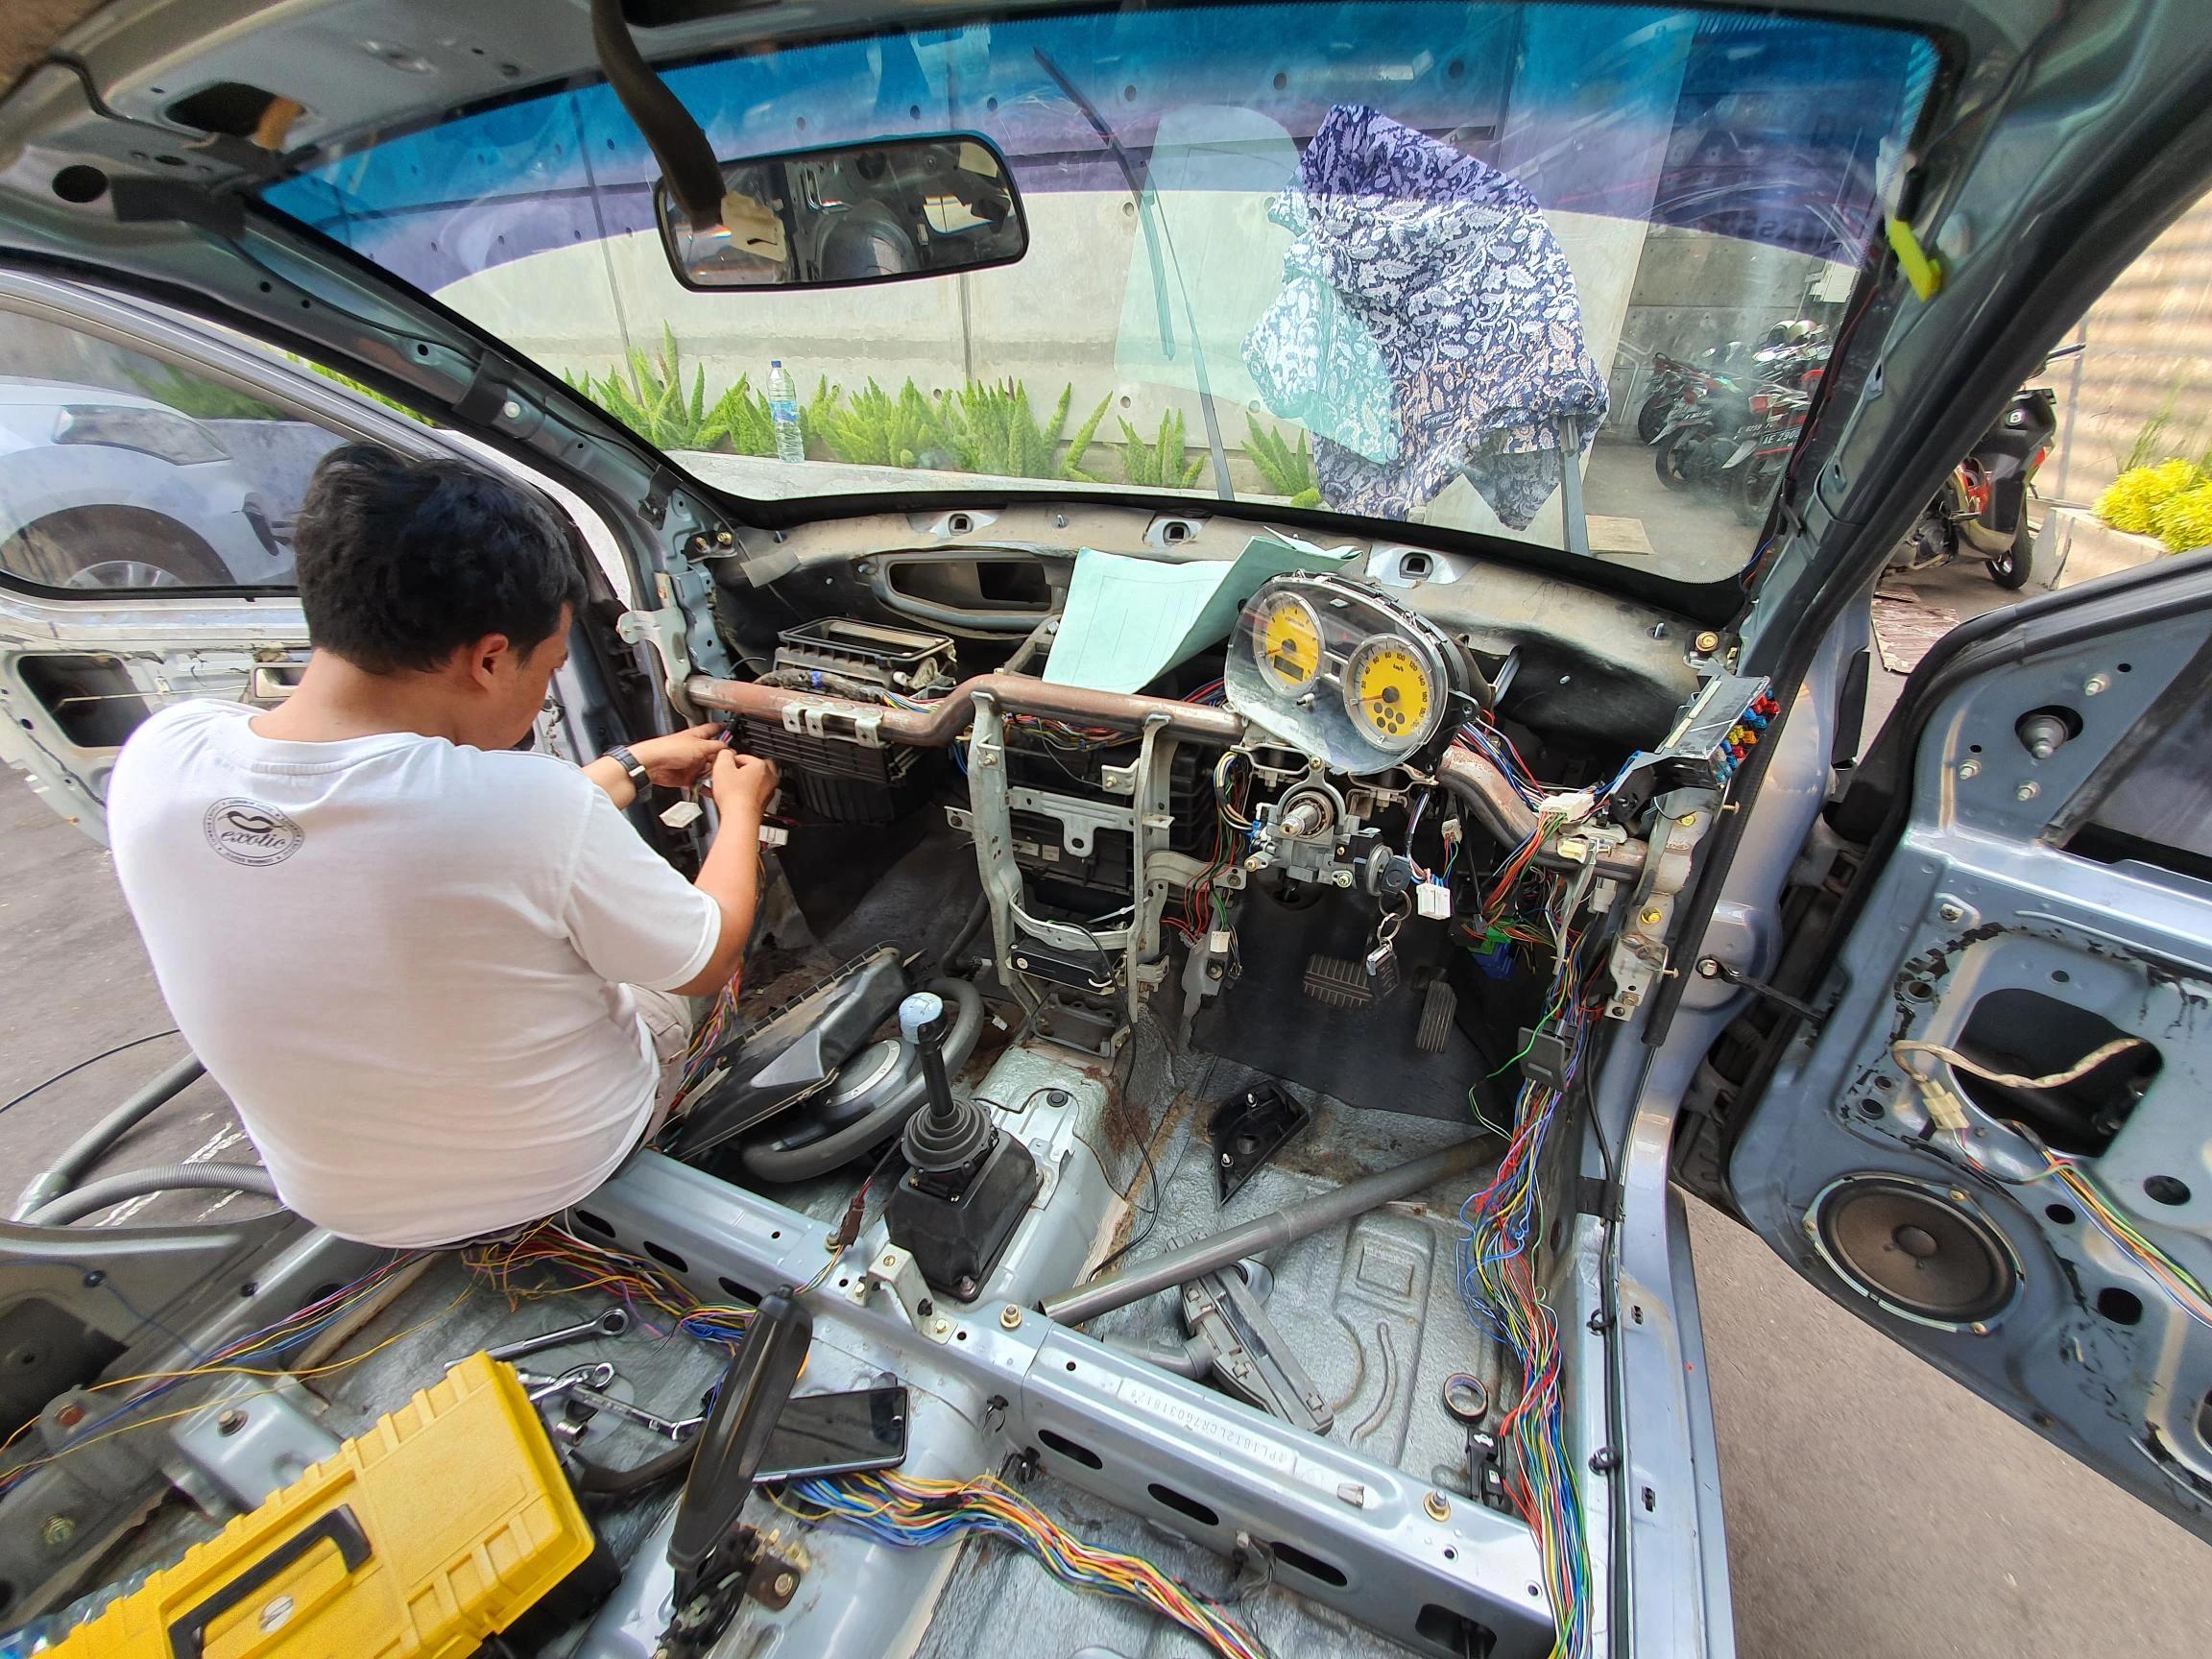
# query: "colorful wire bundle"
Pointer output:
{"type": "Point", "coordinates": [247, 1355]}
{"type": "Point", "coordinates": [510, 1265]}
{"type": "Point", "coordinates": [908, 1512]}
{"type": "Point", "coordinates": [1501, 1226]}
{"type": "Point", "coordinates": [1203, 905]}
{"type": "Point", "coordinates": [706, 1043]}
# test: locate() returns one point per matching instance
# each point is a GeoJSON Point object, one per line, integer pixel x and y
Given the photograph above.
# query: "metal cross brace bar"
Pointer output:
{"type": "Point", "coordinates": [1347, 1531]}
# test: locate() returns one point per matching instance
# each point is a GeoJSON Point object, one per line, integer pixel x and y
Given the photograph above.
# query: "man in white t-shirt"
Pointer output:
{"type": "Point", "coordinates": [437, 975]}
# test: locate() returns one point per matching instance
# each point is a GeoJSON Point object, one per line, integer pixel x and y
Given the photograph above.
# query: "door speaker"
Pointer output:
{"type": "Point", "coordinates": [1916, 1250]}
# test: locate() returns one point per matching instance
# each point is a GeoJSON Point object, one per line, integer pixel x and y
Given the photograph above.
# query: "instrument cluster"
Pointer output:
{"type": "Point", "coordinates": [1328, 666]}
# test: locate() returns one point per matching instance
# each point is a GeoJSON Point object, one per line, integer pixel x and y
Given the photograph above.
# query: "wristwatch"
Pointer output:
{"type": "Point", "coordinates": [639, 779]}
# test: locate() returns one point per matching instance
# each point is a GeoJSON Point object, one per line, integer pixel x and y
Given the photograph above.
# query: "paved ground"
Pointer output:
{"type": "Point", "coordinates": [1874, 1506]}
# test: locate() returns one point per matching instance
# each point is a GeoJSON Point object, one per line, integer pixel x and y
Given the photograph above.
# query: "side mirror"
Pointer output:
{"type": "Point", "coordinates": [854, 213]}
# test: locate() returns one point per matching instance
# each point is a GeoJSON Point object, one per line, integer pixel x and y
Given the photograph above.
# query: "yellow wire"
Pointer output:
{"type": "Point", "coordinates": [22, 1469]}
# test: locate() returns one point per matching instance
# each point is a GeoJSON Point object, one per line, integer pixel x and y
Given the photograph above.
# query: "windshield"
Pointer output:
{"type": "Point", "coordinates": [1395, 260]}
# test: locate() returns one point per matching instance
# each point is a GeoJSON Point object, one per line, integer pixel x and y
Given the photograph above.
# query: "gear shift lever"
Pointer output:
{"type": "Point", "coordinates": [967, 1185]}
{"type": "Point", "coordinates": [948, 1133]}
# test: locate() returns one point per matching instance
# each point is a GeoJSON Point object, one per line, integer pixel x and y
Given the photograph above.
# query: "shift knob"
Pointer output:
{"type": "Point", "coordinates": [918, 1012]}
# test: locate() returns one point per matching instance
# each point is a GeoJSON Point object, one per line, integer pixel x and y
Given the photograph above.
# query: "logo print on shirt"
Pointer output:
{"type": "Point", "coordinates": [248, 832]}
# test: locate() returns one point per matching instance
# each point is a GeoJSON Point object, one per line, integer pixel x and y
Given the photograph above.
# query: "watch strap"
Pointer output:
{"type": "Point", "coordinates": [639, 779]}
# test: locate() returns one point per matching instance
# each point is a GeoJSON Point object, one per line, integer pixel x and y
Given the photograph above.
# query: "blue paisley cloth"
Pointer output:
{"type": "Point", "coordinates": [1427, 325]}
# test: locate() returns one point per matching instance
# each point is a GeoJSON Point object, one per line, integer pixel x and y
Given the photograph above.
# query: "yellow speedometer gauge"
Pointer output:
{"type": "Point", "coordinates": [1389, 692]}
{"type": "Point", "coordinates": [1286, 642]}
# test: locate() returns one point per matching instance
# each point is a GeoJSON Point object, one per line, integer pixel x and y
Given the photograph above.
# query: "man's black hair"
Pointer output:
{"type": "Point", "coordinates": [401, 562]}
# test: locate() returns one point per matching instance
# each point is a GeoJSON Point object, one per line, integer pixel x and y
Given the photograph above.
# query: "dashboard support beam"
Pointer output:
{"type": "Point", "coordinates": [936, 726]}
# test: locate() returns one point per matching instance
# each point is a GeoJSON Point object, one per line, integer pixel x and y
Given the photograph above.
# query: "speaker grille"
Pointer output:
{"type": "Point", "coordinates": [1916, 1250]}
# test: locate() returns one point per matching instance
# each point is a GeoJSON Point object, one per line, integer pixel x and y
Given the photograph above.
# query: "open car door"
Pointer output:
{"type": "Point", "coordinates": [150, 470]}
{"type": "Point", "coordinates": [1990, 1137]}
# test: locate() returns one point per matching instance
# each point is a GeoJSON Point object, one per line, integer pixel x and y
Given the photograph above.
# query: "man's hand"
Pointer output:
{"type": "Point", "coordinates": [682, 758]}
{"type": "Point", "coordinates": [742, 785]}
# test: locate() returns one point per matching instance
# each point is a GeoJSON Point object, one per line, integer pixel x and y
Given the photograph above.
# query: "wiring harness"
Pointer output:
{"type": "Point", "coordinates": [908, 1512]}
{"type": "Point", "coordinates": [1502, 1225]}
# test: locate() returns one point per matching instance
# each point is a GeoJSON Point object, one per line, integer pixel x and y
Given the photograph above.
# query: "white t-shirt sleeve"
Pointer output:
{"type": "Point", "coordinates": [629, 914]}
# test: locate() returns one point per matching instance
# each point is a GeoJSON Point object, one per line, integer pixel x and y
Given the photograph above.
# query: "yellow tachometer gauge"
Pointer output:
{"type": "Point", "coordinates": [1389, 692]}
{"type": "Point", "coordinates": [1286, 642]}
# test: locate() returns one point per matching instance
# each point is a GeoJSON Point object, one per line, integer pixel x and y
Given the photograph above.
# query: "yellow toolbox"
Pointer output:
{"type": "Point", "coordinates": [443, 1524]}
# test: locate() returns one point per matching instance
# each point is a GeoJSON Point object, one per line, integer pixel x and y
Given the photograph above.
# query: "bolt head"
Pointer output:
{"type": "Point", "coordinates": [1708, 641]}
{"type": "Point", "coordinates": [784, 1584]}
{"type": "Point", "coordinates": [1687, 820]}
{"type": "Point", "coordinates": [1951, 912]}
{"type": "Point", "coordinates": [2095, 683]}
{"type": "Point", "coordinates": [940, 1326]}
{"type": "Point", "coordinates": [230, 1420]}
{"type": "Point", "coordinates": [1651, 918]}
{"type": "Point", "coordinates": [57, 1531]}
{"type": "Point", "coordinates": [511, 409]}
{"type": "Point", "coordinates": [1010, 1316]}
{"type": "Point", "coordinates": [1970, 769]}
{"type": "Point", "coordinates": [2027, 791]}
{"type": "Point", "coordinates": [1438, 1507]}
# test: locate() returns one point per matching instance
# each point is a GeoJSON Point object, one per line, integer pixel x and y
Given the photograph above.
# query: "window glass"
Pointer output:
{"type": "Point", "coordinates": [1392, 258]}
{"type": "Point", "coordinates": [118, 469]}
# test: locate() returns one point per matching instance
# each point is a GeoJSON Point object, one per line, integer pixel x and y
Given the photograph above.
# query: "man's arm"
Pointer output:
{"type": "Point", "coordinates": [742, 786]}
{"type": "Point", "coordinates": [675, 761]}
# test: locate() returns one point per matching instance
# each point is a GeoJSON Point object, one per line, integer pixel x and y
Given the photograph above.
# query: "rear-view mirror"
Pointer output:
{"type": "Point", "coordinates": [853, 213]}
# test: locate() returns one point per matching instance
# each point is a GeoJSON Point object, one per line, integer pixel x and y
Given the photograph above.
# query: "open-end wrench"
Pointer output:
{"type": "Point", "coordinates": [589, 1397]}
{"type": "Point", "coordinates": [539, 1387]}
{"type": "Point", "coordinates": [611, 1323]}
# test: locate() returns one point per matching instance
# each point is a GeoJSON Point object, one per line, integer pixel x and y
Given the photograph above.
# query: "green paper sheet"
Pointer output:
{"type": "Point", "coordinates": [1129, 620]}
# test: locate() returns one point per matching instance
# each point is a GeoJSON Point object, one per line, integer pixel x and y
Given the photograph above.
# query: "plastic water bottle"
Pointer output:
{"type": "Point", "coordinates": [783, 412]}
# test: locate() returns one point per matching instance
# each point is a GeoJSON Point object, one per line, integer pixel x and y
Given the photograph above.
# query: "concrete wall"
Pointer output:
{"type": "Point", "coordinates": [2148, 356]}
{"type": "Point", "coordinates": [1079, 309]}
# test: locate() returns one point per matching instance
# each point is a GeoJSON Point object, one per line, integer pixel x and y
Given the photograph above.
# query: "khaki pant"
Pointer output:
{"type": "Point", "coordinates": [670, 1018]}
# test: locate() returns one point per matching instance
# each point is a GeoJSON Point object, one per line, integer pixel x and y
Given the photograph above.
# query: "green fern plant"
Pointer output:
{"type": "Point", "coordinates": [738, 421]}
{"type": "Point", "coordinates": [1160, 465]}
{"type": "Point", "coordinates": [1287, 471]}
{"type": "Point", "coordinates": [653, 401]}
{"type": "Point", "coordinates": [989, 428]}
{"type": "Point", "coordinates": [876, 428]}
{"type": "Point", "coordinates": [370, 393]}
{"type": "Point", "coordinates": [201, 400]}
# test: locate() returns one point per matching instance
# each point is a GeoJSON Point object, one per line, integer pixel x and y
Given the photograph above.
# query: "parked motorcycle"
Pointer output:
{"type": "Point", "coordinates": [1982, 510]}
{"type": "Point", "coordinates": [1733, 434]}
{"type": "Point", "coordinates": [1668, 376]}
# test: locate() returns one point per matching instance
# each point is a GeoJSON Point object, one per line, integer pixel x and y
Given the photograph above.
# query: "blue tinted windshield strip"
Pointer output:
{"type": "Point", "coordinates": [1778, 123]}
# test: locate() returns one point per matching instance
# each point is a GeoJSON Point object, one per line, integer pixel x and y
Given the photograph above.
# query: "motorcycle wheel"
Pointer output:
{"type": "Point", "coordinates": [2013, 568]}
{"type": "Point", "coordinates": [1652, 417]}
{"type": "Point", "coordinates": [1755, 490]}
{"type": "Point", "coordinates": [1668, 463]}
{"type": "Point", "coordinates": [1929, 545]}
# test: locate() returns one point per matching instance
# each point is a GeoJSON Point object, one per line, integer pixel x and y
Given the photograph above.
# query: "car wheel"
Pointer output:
{"type": "Point", "coordinates": [119, 547]}
{"type": "Point", "coordinates": [2013, 568]}
{"type": "Point", "coordinates": [1652, 417]}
